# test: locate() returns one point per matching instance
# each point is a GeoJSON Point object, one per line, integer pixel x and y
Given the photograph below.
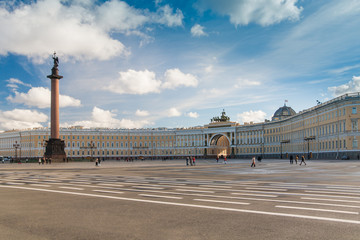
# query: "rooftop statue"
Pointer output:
{"type": "Point", "coordinates": [223, 118]}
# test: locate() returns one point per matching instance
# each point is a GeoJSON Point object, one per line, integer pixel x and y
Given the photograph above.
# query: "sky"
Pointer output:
{"type": "Point", "coordinates": [172, 63]}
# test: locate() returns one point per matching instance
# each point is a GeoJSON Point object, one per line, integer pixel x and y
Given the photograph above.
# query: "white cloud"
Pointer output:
{"type": "Point", "coordinates": [198, 31]}
{"type": "Point", "coordinates": [173, 112]}
{"type": "Point", "coordinates": [251, 116]}
{"type": "Point", "coordinates": [144, 82]}
{"type": "Point", "coordinates": [209, 69]}
{"type": "Point", "coordinates": [135, 82]}
{"type": "Point", "coordinates": [21, 119]}
{"type": "Point", "coordinates": [242, 83]}
{"type": "Point", "coordinates": [78, 29]}
{"type": "Point", "coordinates": [165, 16]}
{"type": "Point", "coordinates": [13, 83]}
{"type": "Point", "coordinates": [263, 12]}
{"type": "Point", "coordinates": [142, 113]}
{"type": "Point", "coordinates": [175, 78]}
{"type": "Point", "coordinates": [193, 114]}
{"type": "Point", "coordinates": [351, 86]}
{"type": "Point", "coordinates": [106, 119]}
{"type": "Point", "coordinates": [41, 97]}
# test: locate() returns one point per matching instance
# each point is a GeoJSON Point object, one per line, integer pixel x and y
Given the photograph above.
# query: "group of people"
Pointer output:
{"type": "Point", "coordinates": [190, 161]}
{"type": "Point", "coordinates": [97, 162]}
{"type": "Point", "coordinates": [297, 159]}
{"type": "Point", "coordinates": [225, 160]}
{"type": "Point", "coordinates": [44, 160]}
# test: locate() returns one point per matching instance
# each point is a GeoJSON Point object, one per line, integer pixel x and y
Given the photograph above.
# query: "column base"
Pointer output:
{"type": "Point", "coordinates": [55, 149]}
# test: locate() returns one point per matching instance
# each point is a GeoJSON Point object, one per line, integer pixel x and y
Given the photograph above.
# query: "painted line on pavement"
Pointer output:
{"type": "Point", "coordinates": [40, 185]}
{"type": "Point", "coordinates": [110, 184]}
{"type": "Point", "coordinates": [192, 205]}
{"type": "Point", "coordinates": [262, 188]}
{"type": "Point", "coordinates": [72, 188]}
{"type": "Point", "coordinates": [218, 201]}
{"type": "Point", "coordinates": [14, 183]}
{"type": "Point", "coordinates": [145, 187]}
{"type": "Point", "coordinates": [106, 191]}
{"type": "Point", "coordinates": [317, 209]}
{"type": "Point", "coordinates": [343, 193]}
{"type": "Point", "coordinates": [331, 200]}
{"type": "Point", "coordinates": [159, 196]}
{"type": "Point", "coordinates": [190, 190]}
{"type": "Point", "coordinates": [255, 195]}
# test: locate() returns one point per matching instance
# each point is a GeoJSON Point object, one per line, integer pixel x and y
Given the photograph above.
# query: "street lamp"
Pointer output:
{"type": "Point", "coordinates": [16, 146]}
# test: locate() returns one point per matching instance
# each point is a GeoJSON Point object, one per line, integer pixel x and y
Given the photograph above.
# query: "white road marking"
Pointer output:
{"type": "Point", "coordinates": [72, 188]}
{"type": "Point", "coordinates": [81, 182]}
{"type": "Point", "coordinates": [105, 191]}
{"type": "Point", "coordinates": [190, 190]}
{"type": "Point", "coordinates": [218, 201]}
{"type": "Point", "coordinates": [192, 205]}
{"type": "Point", "coordinates": [317, 209]}
{"type": "Point", "coordinates": [145, 187]}
{"type": "Point", "coordinates": [331, 200]}
{"type": "Point", "coordinates": [263, 188]}
{"type": "Point", "coordinates": [40, 185]}
{"type": "Point", "coordinates": [255, 195]}
{"type": "Point", "coordinates": [159, 196]}
{"type": "Point", "coordinates": [14, 183]}
{"type": "Point", "coordinates": [217, 186]}
{"type": "Point", "coordinates": [110, 184]}
{"type": "Point", "coordinates": [343, 193]}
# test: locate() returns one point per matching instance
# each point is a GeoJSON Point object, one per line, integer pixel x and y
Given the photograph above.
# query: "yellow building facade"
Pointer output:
{"type": "Point", "coordinates": [326, 131]}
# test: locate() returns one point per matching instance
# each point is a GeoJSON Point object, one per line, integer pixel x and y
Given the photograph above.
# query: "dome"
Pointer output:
{"type": "Point", "coordinates": [283, 112]}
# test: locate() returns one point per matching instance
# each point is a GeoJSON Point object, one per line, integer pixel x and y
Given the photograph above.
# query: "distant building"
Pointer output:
{"type": "Point", "coordinates": [328, 130]}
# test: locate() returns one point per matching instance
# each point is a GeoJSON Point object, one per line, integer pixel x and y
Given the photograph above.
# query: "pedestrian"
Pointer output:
{"type": "Point", "coordinates": [190, 160]}
{"type": "Point", "coordinates": [225, 160]}
{"type": "Point", "coordinates": [253, 162]}
{"type": "Point", "coordinates": [217, 159]}
{"type": "Point", "coordinates": [187, 161]}
{"type": "Point", "coordinates": [193, 161]}
{"type": "Point", "coordinates": [291, 159]}
{"type": "Point", "coordinates": [97, 162]}
{"type": "Point", "coordinates": [39, 161]}
{"type": "Point", "coordinates": [302, 160]}
{"type": "Point", "coordinates": [296, 159]}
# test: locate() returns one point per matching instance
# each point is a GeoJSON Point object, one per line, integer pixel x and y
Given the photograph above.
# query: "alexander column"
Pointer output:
{"type": "Point", "coordinates": [55, 147]}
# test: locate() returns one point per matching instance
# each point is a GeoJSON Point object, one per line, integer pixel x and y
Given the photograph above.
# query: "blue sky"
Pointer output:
{"type": "Point", "coordinates": [162, 63]}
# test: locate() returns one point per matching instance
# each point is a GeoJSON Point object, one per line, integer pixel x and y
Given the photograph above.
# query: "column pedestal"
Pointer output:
{"type": "Point", "coordinates": [55, 149]}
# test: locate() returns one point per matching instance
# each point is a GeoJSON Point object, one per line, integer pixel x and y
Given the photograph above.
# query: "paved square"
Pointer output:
{"type": "Point", "coordinates": [168, 200]}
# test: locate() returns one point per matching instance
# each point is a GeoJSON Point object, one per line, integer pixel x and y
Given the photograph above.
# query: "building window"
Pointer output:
{"type": "Point", "coordinates": [353, 110]}
{"type": "Point", "coordinates": [354, 125]}
{"type": "Point", "coordinates": [355, 144]}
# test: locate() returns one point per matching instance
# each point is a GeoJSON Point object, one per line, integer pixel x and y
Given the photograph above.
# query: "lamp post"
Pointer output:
{"type": "Point", "coordinates": [16, 146]}
{"type": "Point", "coordinates": [90, 146]}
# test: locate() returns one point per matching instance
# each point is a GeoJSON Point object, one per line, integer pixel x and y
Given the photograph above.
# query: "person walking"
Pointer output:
{"type": "Point", "coordinates": [193, 160]}
{"type": "Point", "coordinates": [296, 159]}
{"type": "Point", "coordinates": [253, 162]}
{"type": "Point", "coordinates": [291, 159]}
{"type": "Point", "coordinates": [225, 160]}
{"type": "Point", "coordinates": [39, 161]}
{"type": "Point", "coordinates": [302, 160]}
{"type": "Point", "coordinates": [97, 162]}
{"type": "Point", "coordinates": [187, 161]}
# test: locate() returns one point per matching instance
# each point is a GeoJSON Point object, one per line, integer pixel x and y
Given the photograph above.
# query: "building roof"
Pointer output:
{"type": "Point", "coordinates": [283, 112]}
